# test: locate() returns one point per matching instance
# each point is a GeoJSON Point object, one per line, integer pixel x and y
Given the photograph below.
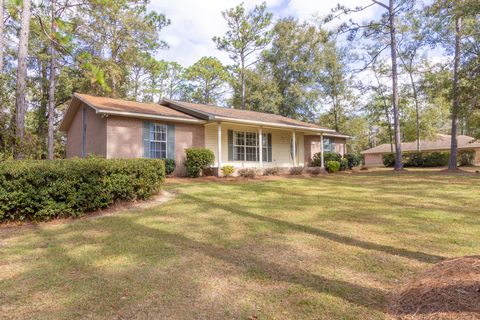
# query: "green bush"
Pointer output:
{"type": "Point", "coordinates": [198, 159]}
{"type": "Point", "coordinates": [295, 171]}
{"type": "Point", "coordinates": [273, 171]}
{"type": "Point", "coordinates": [248, 172]}
{"type": "Point", "coordinates": [332, 166]}
{"type": "Point", "coordinates": [388, 159]}
{"type": "Point", "coordinates": [42, 190]}
{"type": "Point", "coordinates": [169, 166]}
{"type": "Point", "coordinates": [327, 156]}
{"type": "Point", "coordinates": [466, 157]}
{"type": "Point", "coordinates": [227, 171]}
{"type": "Point", "coordinates": [354, 160]}
{"type": "Point", "coordinates": [343, 164]}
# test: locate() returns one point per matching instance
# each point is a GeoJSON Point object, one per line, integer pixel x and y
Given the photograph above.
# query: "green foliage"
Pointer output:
{"type": "Point", "coordinates": [208, 80]}
{"type": "Point", "coordinates": [42, 190]}
{"type": "Point", "coordinates": [169, 166]}
{"type": "Point", "coordinates": [343, 164]}
{"type": "Point", "coordinates": [272, 171]}
{"type": "Point", "coordinates": [332, 156]}
{"type": "Point", "coordinates": [198, 159]}
{"type": "Point", "coordinates": [227, 171]}
{"type": "Point", "coordinates": [466, 157]}
{"type": "Point", "coordinates": [388, 159]}
{"type": "Point", "coordinates": [354, 160]}
{"type": "Point", "coordinates": [332, 166]}
{"type": "Point", "coordinates": [248, 172]}
{"type": "Point", "coordinates": [419, 159]}
{"type": "Point", "coordinates": [295, 171]}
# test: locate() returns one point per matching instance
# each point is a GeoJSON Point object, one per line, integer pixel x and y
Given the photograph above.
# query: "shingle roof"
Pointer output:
{"type": "Point", "coordinates": [440, 142]}
{"type": "Point", "coordinates": [215, 111]}
{"type": "Point", "coordinates": [110, 104]}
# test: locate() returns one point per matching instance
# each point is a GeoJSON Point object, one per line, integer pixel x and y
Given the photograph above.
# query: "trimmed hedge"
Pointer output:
{"type": "Point", "coordinates": [42, 190]}
{"type": "Point", "coordinates": [327, 156]}
{"type": "Point", "coordinates": [419, 159]}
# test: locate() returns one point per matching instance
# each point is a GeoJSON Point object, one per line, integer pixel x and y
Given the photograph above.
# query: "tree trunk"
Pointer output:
{"type": "Point", "coordinates": [242, 75]}
{"type": "Point", "coordinates": [51, 85]}
{"type": "Point", "coordinates": [335, 114]}
{"type": "Point", "coordinates": [21, 94]}
{"type": "Point", "coordinates": [2, 31]}
{"type": "Point", "coordinates": [452, 165]}
{"type": "Point", "coordinates": [409, 69]}
{"type": "Point", "coordinates": [396, 120]}
{"type": "Point", "coordinates": [385, 108]}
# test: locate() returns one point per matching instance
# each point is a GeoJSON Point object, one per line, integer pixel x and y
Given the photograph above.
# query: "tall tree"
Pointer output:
{"type": "Point", "coordinates": [51, 84]}
{"type": "Point", "coordinates": [293, 62]}
{"type": "Point", "coordinates": [209, 79]}
{"type": "Point", "coordinates": [21, 95]}
{"type": "Point", "coordinates": [2, 32]}
{"type": "Point", "coordinates": [248, 32]}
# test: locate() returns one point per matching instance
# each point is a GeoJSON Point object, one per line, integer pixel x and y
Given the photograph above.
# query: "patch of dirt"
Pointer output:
{"type": "Point", "coordinates": [448, 290]}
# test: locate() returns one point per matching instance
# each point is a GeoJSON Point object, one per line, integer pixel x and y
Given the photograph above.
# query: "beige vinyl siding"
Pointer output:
{"type": "Point", "coordinates": [280, 145]}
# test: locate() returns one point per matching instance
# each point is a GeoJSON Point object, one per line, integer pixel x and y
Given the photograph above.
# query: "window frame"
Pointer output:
{"type": "Point", "coordinates": [242, 135]}
{"type": "Point", "coordinates": [153, 142]}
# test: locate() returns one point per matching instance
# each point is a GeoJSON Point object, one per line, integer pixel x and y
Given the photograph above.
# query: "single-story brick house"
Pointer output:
{"type": "Point", "coordinates": [440, 143]}
{"type": "Point", "coordinates": [115, 128]}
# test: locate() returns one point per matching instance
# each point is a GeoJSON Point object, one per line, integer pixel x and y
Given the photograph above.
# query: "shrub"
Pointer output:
{"type": "Point", "coordinates": [436, 159]}
{"type": "Point", "coordinates": [331, 156]}
{"type": "Point", "coordinates": [295, 171]}
{"type": "Point", "coordinates": [327, 156]}
{"type": "Point", "coordinates": [169, 166]}
{"type": "Point", "coordinates": [198, 159]}
{"type": "Point", "coordinates": [42, 190]}
{"type": "Point", "coordinates": [388, 159]}
{"type": "Point", "coordinates": [354, 160]}
{"type": "Point", "coordinates": [316, 171]}
{"type": "Point", "coordinates": [332, 166]}
{"type": "Point", "coordinates": [273, 171]}
{"type": "Point", "coordinates": [227, 171]}
{"type": "Point", "coordinates": [247, 173]}
{"type": "Point", "coordinates": [343, 164]}
{"type": "Point", "coordinates": [466, 157]}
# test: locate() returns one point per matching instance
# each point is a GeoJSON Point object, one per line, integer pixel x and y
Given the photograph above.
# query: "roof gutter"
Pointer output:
{"type": "Point", "coordinates": [148, 116]}
{"type": "Point", "coordinates": [271, 124]}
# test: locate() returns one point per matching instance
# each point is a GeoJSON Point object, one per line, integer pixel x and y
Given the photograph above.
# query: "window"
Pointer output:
{"type": "Point", "coordinates": [158, 141]}
{"type": "Point", "coordinates": [328, 145]}
{"type": "Point", "coordinates": [246, 146]}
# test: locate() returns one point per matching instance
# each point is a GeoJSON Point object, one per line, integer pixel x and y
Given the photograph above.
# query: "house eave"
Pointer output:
{"type": "Point", "coordinates": [148, 116]}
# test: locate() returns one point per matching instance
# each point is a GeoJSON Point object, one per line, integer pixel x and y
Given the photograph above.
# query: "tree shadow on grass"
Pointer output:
{"type": "Point", "coordinates": [353, 293]}
{"type": "Point", "coordinates": [415, 255]}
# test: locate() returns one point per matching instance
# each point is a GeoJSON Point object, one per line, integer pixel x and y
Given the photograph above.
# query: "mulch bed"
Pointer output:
{"type": "Point", "coordinates": [448, 290]}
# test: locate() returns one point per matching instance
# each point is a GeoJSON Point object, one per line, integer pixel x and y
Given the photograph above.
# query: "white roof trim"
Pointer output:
{"type": "Point", "coordinates": [272, 124]}
{"type": "Point", "coordinates": [148, 116]}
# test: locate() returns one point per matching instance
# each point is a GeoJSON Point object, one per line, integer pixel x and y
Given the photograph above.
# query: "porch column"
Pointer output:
{"type": "Point", "coordinates": [322, 161]}
{"type": "Point", "coordinates": [219, 151]}
{"type": "Point", "coordinates": [260, 148]}
{"type": "Point", "coordinates": [294, 148]}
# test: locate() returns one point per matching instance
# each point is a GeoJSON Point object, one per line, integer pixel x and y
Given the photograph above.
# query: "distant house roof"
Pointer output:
{"type": "Point", "coordinates": [440, 142]}
{"type": "Point", "coordinates": [182, 111]}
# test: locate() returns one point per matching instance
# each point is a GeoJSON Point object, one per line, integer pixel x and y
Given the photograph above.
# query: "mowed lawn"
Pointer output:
{"type": "Point", "coordinates": [292, 248]}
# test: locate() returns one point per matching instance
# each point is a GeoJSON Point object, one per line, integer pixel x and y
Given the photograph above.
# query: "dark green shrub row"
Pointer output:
{"type": "Point", "coordinates": [418, 159]}
{"type": "Point", "coordinates": [198, 159]}
{"type": "Point", "coordinates": [42, 190]}
{"type": "Point", "coordinates": [348, 161]}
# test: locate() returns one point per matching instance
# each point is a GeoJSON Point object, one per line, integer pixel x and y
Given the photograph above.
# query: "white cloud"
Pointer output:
{"type": "Point", "coordinates": [194, 23]}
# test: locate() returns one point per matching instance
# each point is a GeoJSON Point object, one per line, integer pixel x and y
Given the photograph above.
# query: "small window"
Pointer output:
{"type": "Point", "coordinates": [158, 141]}
{"type": "Point", "coordinates": [328, 145]}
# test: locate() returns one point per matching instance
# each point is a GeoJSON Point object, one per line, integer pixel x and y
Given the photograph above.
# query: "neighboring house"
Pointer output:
{"type": "Point", "coordinates": [115, 128]}
{"type": "Point", "coordinates": [441, 143]}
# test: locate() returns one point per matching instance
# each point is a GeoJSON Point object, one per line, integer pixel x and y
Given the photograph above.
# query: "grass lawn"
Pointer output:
{"type": "Point", "coordinates": [301, 248]}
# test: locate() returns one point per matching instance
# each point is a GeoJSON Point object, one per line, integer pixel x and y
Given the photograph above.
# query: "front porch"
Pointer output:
{"type": "Point", "coordinates": [238, 145]}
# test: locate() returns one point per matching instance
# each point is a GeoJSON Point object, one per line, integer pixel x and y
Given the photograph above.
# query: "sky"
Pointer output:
{"type": "Point", "coordinates": [195, 22]}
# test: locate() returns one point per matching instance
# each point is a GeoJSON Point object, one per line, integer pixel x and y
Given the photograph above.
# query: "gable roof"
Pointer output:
{"type": "Point", "coordinates": [187, 112]}
{"type": "Point", "coordinates": [209, 112]}
{"type": "Point", "coordinates": [103, 105]}
{"type": "Point", "coordinates": [440, 142]}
